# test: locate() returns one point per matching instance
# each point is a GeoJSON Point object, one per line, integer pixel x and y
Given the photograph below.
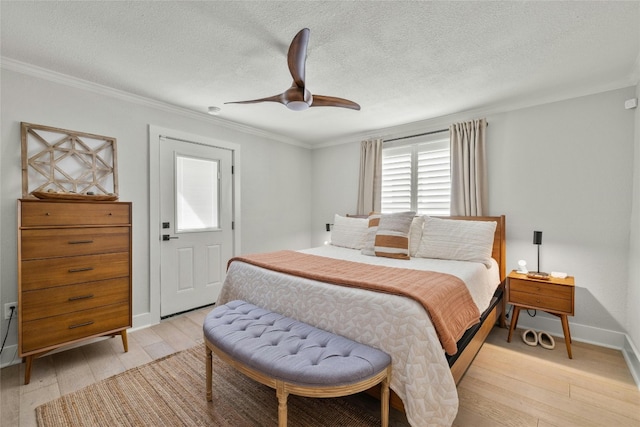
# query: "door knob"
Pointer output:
{"type": "Point", "coordinates": [166, 237]}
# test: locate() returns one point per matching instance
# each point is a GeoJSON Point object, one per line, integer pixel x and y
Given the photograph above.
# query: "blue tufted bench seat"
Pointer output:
{"type": "Point", "coordinates": [292, 357]}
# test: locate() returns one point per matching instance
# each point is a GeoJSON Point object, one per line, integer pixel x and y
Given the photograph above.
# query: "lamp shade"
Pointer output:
{"type": "Point", "coordinates": [537, 237]}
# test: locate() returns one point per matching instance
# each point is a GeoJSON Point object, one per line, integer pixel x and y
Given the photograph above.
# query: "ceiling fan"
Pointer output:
{"type": "Point", "coordinates": [298, 97]}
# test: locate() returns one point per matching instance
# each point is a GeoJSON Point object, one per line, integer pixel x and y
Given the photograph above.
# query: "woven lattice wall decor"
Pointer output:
{"type": "Point", "coordinates": [60, 161]}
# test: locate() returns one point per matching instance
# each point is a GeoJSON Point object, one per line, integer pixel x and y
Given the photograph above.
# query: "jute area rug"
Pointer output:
{"type": "Point", "coordinates": [171, 392]}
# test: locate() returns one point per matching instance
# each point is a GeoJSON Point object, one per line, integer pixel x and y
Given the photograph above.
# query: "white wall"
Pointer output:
{"type": "Point", "coordinates": [275, 181]}
{"type": "Point", "coordinates": [334, 186]}
{"type": "Point", "coordinates": [564, 168]}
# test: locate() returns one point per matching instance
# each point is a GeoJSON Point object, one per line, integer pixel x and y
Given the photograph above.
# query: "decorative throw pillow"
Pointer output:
{"type": "Point", "coordinates": [457, 240]}
{"type": "Point", "coordinates": [349, 232]}
{"type": "Point", "coordinates": [392, 236]}
{"type": "Point", "coordinates": [370, 238]}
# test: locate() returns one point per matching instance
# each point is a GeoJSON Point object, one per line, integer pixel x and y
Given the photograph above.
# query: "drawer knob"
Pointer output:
{"type": "Point", "coordinates": [79, 325]}
{"type": "Point", "coordinates": [48, 214]}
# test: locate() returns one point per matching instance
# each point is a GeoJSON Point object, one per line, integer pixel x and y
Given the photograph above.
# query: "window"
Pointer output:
{"type": "Point", "coordinates": [417, 177]}
{"type": "Point", "coordinates": [197, 200]}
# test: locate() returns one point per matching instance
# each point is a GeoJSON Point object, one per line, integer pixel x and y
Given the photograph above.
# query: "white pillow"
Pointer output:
{"type": "Point", "coordinates": [349, 232]}
{"type": "Point", "coordinates": [415, 235]}
{"type": "Point", "coordinates": [457, 240]}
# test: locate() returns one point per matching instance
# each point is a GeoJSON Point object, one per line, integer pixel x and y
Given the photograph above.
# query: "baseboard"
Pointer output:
{"type": "Point", "coordinates": [143, 320]}
{"type": "Point", "coordinates": [588, 334]}
{"type": "Point", "coordinates": [9, 356]}
{"type": "Point", "coordinates": [632, 357]}
{"type": "Point", "coordinates": [582, 333]}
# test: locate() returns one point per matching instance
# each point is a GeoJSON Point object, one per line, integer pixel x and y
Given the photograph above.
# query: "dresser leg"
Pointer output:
{"type": "Point", "coordinates": [125, 342]}
{"type": "Point", "coordinates": [514, 321]}
{"type": "Point", "coordinates": [27, 369]}
{"type": "Point", "coordinates": [567, 334]}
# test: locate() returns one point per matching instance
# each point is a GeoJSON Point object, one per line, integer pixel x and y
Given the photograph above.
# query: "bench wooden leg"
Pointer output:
{"type": "Point", "coordinates": [384, 399]}
{"type": "Point", "coordinates": [282, 404]}
{"type": "Point", "coordinates": [209, 362]}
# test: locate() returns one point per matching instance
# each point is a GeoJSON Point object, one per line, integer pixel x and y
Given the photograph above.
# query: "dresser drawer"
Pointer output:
{"type": "Point", "coordinates": [541, 302]}
{"type": "Point", "coordinates": [541, 288]}
{"type": "Point", "coordinates": [49, 332]}
{"type": "Point", "coordinates": [67, 299]}
{"type": "Point", "coordinates": [53, 272]}
{"type": "Point", "coordinates": [74, 241]}
{"type": "Point", "coordinates": [47, 214]}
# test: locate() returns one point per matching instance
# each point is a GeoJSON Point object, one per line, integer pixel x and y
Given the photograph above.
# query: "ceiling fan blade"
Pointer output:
{"type": "Point", "coordinates": [297, 56]}
{"type": "Point", "coordinates": [332, 101]}
{"type": "Point", "coordinates": [275, 98]}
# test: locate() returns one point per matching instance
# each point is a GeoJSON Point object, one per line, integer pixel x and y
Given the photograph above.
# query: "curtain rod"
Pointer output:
{"type": "Point", "coordinates": [420, 134]}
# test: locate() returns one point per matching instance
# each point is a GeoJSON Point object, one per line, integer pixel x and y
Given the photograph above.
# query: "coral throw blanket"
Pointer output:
{"type": "Point", "coordinates": [444, 297]}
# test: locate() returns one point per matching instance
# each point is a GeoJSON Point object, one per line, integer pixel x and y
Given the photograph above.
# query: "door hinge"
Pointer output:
{"type": "Point", "coordinates": [233, 225]}
{"type": "Point", "coordinates": [232, 170]}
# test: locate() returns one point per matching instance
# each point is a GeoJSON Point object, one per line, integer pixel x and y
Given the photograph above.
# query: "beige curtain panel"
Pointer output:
{"type": "Point", "coordinates": [468, 168]}
{"type": "Point", "coordinates": [370, 186]}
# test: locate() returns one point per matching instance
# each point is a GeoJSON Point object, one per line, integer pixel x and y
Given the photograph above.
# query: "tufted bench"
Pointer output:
{"type": "Point", "coordinates": [292, 357]}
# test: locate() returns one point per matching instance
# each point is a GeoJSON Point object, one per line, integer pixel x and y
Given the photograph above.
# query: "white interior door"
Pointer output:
{"type": "Point", "coordinates": [196, 223]}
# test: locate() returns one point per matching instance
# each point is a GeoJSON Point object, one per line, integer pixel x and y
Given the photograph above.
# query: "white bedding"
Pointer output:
{"type": "Point", "coordinates": [398, 325]}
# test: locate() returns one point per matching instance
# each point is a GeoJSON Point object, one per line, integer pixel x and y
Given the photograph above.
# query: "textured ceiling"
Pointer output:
{"type": "Point", "coordinates": [403, 62]}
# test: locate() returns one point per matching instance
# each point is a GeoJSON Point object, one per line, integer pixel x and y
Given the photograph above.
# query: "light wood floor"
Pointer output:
{"type": "Point", "coordinates": [509, 384]}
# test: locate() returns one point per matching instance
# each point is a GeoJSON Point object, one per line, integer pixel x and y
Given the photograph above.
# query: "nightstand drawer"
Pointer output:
{"type": "Point", "coordinates": [540, 301]}
{"type": "Point", "coordinates": [52, 272]}
{"type": "Point", "coordinates": [67, 299]}
{"type": "Point", "coordinates": [52, 331]}
{"type": "Point", "coordinates": [74, 241]}
{"type": "Point", "coordinates": [540, 288]}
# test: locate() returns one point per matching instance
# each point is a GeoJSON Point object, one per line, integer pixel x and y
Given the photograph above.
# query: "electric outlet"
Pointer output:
{"type": "Point", "coordinates": [7, 310]}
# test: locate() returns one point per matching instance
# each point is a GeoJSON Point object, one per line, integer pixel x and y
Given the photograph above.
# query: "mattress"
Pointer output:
{"type": "Point", "coordinates": [395, 324]}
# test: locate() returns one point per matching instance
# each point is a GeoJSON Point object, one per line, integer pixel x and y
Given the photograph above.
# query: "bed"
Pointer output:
{"type": "Point", "coordinates": [424, 376]}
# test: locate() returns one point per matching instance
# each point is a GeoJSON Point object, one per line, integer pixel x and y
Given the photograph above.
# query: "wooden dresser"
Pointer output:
{"type": "Point", "coordinates": [74, 274]}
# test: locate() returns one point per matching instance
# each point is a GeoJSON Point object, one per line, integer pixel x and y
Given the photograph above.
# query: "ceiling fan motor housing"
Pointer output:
{"type": "Point", "coordinates": [297, 98]}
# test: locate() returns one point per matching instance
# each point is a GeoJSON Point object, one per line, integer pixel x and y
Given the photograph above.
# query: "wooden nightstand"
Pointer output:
{"type": "Point", "coordinates": [555, 296]}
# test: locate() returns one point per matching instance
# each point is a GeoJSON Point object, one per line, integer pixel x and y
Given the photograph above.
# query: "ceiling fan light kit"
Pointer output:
{"type": "Point", "coordinates": [298, 97]}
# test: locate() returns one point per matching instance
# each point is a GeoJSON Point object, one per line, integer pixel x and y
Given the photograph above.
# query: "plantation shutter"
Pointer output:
{"type": "Point", "coordinates": [396, 180]}
{"type": "Point", "coordinates": [434, 180]}
{"type": "Point", "coordinates": [417, 177]}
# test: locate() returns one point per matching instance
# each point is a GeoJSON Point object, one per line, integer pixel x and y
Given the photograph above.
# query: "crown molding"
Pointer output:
{"type": "Point", "coordinates": [64, 79]}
